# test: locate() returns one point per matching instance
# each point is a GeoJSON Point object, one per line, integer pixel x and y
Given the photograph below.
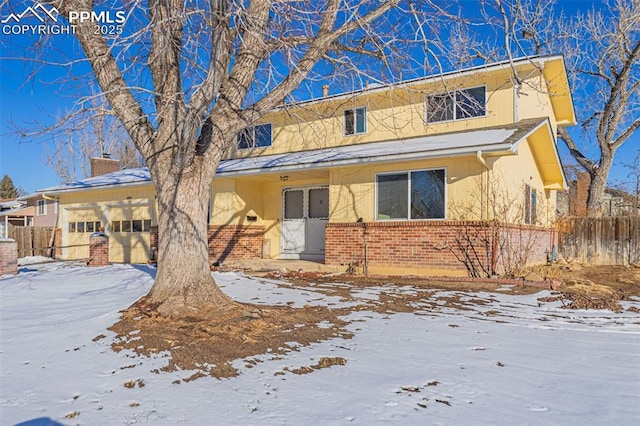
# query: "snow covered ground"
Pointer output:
{"type": "Point", "coordinates": [510, 360]}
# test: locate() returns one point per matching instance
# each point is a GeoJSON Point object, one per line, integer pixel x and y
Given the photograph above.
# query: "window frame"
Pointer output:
{"type": "Point", "coordinates": [43, 211]}
{"type": "Point", "coordinates": [408, 173]}
{"type": "Point", "coordinates": [453, 95]}
{"type": "Point", "coordinates": [355, 121]}
{"type": "Point", "coordinates": [253, 129]}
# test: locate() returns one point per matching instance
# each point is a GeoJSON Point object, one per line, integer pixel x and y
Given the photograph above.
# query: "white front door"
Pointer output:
{"type": "Point", "coordinates": [305, 212]}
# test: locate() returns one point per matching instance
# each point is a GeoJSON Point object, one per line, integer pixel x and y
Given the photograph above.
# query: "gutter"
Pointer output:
{"type": "Point", "coordinates": [505, 148]}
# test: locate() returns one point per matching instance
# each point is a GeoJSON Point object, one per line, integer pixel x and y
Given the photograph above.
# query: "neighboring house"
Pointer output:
{"type": "Point", "coordinates": [45, 210]}
{"type": "Point", "coordinates": [383, 176]}
{"type": "Point", "coordinates": [14, 212]}
{"type": "Point", "coordinates": [615, 202]}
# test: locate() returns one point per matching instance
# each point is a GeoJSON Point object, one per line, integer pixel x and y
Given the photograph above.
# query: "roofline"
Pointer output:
{"type": "Point", "coordinates": [498, 148]}
{"type": "Point", "coordinates": [565, 186]}
{"type": "Point", "coordinates": [507, 63]}
{"type": "Point", "coordinates": [45, 192]}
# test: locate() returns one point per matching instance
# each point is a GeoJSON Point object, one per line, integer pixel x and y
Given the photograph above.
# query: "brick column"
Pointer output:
{"type": "Point", "coordinates": [98, 249]}
{"type": "Point", "coordinates": [8, 256]}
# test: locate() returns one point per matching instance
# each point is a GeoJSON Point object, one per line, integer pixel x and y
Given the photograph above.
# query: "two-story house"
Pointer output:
{"type": "Point", "coordinates": [384, 176]}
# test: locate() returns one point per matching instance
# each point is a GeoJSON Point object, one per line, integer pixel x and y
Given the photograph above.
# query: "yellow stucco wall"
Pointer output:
{"type": "Point", "coordinates": [106, 206]}
{"type": "Point", "coordinates": [400, 112]}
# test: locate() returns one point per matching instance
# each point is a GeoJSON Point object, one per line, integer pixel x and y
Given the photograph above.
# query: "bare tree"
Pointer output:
{"type": "Point", "coordinates": [603, 55]}
{"type": "Point", "coordinates": [185, 78]}
{"type": "Point", "coordinates": [632, 184]}
{"type": "Point", "coordinates": [93, 132]}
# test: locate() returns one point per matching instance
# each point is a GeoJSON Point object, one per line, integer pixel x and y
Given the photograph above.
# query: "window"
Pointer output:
{"type": "Point", "coordinates": [411, 195]}
{"type": "Point", "coordinates": [255, 136]}
{"type": "Point", "coordinates": [355, 121]}
{"type": "Point", "coordinates": [456, 105]}
{"type": "Point", "coordinates": [42, 207]}
{"type": "Point", "coordinates": [135, 225]}
{"type": "Point", "coordinates": [530, 205]}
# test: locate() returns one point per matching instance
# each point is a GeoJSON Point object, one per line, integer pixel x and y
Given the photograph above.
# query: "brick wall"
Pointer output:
{"type": "Point", "coordinates": [235, 242]}
{"type": "Point", "coordinates": [98, 250]}
{"type": "Point", "coordinates": [229, 241]}
{"type": "Point", "coordinates": [8, 257]}
{"type": "Point", "coordinates": [423, 247]}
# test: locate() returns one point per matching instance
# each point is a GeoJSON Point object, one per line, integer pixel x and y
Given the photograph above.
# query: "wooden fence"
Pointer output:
{"type": "Point", "coordinates": [600, 241]}
{"type": "Point", "coordinates": [32, 240]}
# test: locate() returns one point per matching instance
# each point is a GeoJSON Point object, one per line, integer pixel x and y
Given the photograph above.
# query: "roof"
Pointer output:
{"type": "Point", "coordinates": [502, 140]}
{"type": "Point", "coordinates": [20, 212]}
{"type": "Point", "coordinates": [29, 196]}
{"type": "Point", "coordinates": [126, 177]}
{"type": "Point", "coordinates": [10, 203]}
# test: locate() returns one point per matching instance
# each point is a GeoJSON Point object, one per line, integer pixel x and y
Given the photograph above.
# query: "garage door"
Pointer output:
{"type": "Point", "coordinates": [81, 223]}
{"type": "Point", "coordinates": [129, 233]}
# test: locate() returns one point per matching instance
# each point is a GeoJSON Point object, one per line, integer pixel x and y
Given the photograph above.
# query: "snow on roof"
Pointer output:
{"type": "Point", "coordinates": [502, 139]}
{"type": "Point", "coordinates": [126, 177]}
{"type": "Point", "coordinates": [10, 203]}
{"type": "Point", "coordinates": [498, 139]}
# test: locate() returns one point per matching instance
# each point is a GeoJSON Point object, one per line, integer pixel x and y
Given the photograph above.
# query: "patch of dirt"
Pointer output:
{"type": "Point", "coordinates": [592, 287]}
{"type": "Point", "coordinates": [211, 346]}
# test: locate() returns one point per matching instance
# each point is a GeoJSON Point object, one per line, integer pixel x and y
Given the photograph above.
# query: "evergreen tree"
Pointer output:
{"type": "Point", "coordinates": [7, 188]}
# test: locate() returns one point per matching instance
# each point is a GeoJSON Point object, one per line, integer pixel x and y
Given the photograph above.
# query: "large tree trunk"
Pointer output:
{"type": "Point", "coordinates": [184, 285]}
{"type": "Point", "coordinates": [597, 186]}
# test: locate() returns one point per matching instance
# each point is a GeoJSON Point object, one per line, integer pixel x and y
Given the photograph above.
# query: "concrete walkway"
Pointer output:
{"type": "Point", "coordinates": [269, 265]}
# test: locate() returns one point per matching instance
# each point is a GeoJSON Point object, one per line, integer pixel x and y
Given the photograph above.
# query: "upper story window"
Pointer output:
{"type": "Point", "coordinates": [42, 207]}
{"type": "Point", "coordinates": [255, 136]}
{"type": "Point", "coordinates": [355, 121]}
{"type": "Point", "coordinates": [457, 105]}
{"type": "Point", "coordinates": [416, 194]}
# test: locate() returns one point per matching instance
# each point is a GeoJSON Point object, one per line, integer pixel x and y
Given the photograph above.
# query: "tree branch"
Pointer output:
{"type": "Point", "coordinates": [110, 79]}
{"type": "Point", "coordinates": [586, 163]}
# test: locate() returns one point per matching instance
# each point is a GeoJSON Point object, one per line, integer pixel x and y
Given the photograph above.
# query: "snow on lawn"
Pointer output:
{"type": "Point", "coordinates": [510, 360]}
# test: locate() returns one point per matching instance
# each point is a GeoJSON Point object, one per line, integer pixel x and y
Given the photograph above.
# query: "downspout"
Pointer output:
{"type": "Point", "coordinates": [494, 242]}
{"type": "Point", "coordinates": [484, 192]}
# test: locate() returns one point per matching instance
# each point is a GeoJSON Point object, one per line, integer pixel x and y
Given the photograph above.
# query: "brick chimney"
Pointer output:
{"type": "Point", "coordinates": [104, 165]}
{"type": "Point", "coordinates": [578, 194]}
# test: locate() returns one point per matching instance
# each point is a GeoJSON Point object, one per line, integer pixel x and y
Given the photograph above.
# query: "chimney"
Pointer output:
{"type": "Point", "coordinates": [104, 165]}
{"type": "Point", "coordinates": [325, 90]}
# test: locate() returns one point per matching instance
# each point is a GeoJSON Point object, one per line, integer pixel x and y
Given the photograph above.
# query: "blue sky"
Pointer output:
{"type": "Point", "coordinates": [24, 100]}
